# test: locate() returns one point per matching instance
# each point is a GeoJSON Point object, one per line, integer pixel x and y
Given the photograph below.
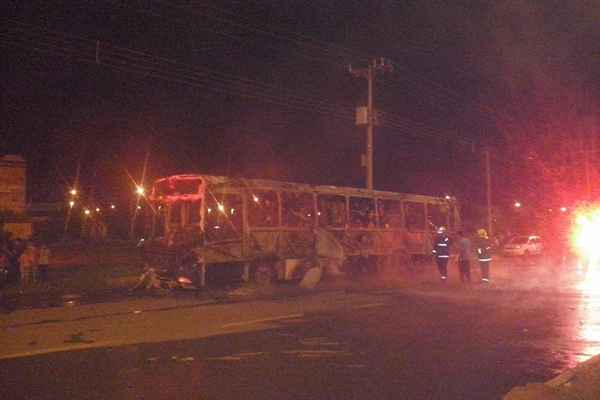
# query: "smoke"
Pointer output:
{"type": "Point", "coordinates": [541, 59]}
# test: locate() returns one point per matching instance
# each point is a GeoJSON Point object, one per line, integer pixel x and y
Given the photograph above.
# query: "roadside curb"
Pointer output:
{"type": "Point", "coordinates": [579, 383]}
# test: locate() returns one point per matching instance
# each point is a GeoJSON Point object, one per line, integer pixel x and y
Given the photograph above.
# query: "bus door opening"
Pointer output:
{"type": "Point", "coordinates": [185, 221]}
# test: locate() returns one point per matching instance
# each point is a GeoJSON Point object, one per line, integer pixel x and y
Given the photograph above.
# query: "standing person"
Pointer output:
{"type": "Point", "coordinates": [14, 251]}
{"type": "Point", "coordinates": [3, 267]}
{"type": "Point", "coordinates": [441, 252]}
{"type": "Point", "coordinates": [44, 261]}
{"type": "Point", "coordinates": [484, 254]}
{"type": "Point", "coordinates": [464, 258]}
{"type": "Point", "coordinates": [27, 265]}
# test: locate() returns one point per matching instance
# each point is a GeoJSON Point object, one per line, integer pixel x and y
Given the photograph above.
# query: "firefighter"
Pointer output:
{"type": "Point", "coordinates": [441, 252]}
{"type": "Point", "coordinates": [483, 247]}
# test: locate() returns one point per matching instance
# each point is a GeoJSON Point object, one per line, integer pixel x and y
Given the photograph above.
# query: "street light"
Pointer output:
{"type": "Point", "coordinates": [73, 192]}
{"type": "Point", "coordinates": [517, 204]}
{"type": "Point", "coordinates": [71, 204]}
{"type": "Point", "coordinates": [112, 206]}
{"type": "Point", "coordinates": [563, 209]}
{"type": "Point", "coordinates": [140, 190]}
{"type": "Point", "coordinates": [86, 212]}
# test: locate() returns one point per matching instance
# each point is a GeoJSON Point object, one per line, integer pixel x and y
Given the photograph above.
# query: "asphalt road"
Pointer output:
{"type": "Point", "coordinates": [415, 340]}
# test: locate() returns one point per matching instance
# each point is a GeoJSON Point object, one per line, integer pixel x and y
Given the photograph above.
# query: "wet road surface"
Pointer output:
{"type": "Point", "coordinates": [427, 342]}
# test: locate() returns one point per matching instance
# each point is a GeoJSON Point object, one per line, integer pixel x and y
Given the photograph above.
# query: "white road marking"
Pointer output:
{"type": "Point", "coordinates": [317, 353]}
{"type": "Point", "coordinates": [255, 354]}
{"type": "Point", "coordinates": [78, 346]}
{"type": "Point", "coordinates": [224, 358]}
{"type": "Point", "coordinates": [258, 321]}
{"type": "Point", "coordinates": [318, 341]}
{"type": "Point", "coordinates": [371, 305]}
{"type": "Point", "coordinates": [356, 365]}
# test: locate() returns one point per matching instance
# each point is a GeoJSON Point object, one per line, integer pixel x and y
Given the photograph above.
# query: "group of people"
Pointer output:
{"type": "Point", "coordinates": [23, 261]}
{"type": "Point", "coordinates": [467, 250]}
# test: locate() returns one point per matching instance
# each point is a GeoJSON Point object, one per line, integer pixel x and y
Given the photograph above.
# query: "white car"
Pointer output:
{"type": "Point", "coordinates": [524, 246]}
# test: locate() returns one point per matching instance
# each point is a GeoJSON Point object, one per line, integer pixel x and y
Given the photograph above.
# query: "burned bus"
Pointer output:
{"type": "Point", "coordinates": [258, 224]}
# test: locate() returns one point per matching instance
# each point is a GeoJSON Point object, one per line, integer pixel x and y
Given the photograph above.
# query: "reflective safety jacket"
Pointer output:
{"type": "Point", "coordinates": [441, 246]}
{"type": "Point", "coordinates": [483, 248]}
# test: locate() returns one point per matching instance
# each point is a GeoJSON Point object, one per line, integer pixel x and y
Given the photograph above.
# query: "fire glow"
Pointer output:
{"type": "Point", "coordinates": [584, 239]}
{"type": "Point", "coordinates": [585, 235]}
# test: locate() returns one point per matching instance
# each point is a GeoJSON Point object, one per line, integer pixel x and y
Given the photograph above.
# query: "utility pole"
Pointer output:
{"type": "Point", "coordinates": [367, 116]}
{"type": "Point", "coordinates": [488, 179]}
{"type": "Point", "coordinates": [370, 121]}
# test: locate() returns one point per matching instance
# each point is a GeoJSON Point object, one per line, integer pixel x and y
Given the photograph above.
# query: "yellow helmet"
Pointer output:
{"type": "Point", "coordinates": [482, 233]}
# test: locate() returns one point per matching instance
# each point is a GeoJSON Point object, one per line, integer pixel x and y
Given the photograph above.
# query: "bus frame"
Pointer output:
{"type": "Point", "coordinates": [255, 224]}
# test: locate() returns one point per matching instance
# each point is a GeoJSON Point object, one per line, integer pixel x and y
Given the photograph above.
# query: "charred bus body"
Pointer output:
{"type": "Point", "coordinates": [258, 225]}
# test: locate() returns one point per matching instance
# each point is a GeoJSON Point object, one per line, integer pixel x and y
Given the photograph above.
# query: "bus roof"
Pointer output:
{"type": "Point", "coordinates": [216, 181]}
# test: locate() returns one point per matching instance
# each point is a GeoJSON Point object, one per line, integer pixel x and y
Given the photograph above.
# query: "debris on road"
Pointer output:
{"type": "Point", "coordinates": [311, 278]}
{"type": "Point", "coordinates": [243, 291]}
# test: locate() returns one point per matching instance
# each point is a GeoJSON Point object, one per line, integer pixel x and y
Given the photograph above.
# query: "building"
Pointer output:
{"type": "Point", "coordinates": [13, 183]}
{"type": "Point", "coordinates": [13, 197]}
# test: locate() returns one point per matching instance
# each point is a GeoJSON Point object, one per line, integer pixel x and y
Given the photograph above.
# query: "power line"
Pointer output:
{"type": "Point", "coordinates": [441, 91]}
{"type": "Point", "coordinates": [122, 59]}
{"type": "Point", "coordinates": [128, 60]}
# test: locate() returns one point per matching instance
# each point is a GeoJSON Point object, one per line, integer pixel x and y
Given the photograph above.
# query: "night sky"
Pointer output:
{"type": "Point", "coordinates": [261, 89]}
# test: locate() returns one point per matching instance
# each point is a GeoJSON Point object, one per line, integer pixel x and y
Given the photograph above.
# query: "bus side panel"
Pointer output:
{"type": "Point", "coordinates": [262, 243]}
{"type": "Point", "coordinates": [222, 252]}
{"type": "Point", "coordinates": [388, 242]}
{"type": "Point", "coordinates": [296, 243]}
{"type": "Point", "coordinates": [418, 242]}
{"type": "Point", "coordinates": [360, 242]}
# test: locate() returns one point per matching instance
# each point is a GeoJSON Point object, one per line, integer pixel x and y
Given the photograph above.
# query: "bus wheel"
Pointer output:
{"type": "Point", "coordinates": [263, 273]}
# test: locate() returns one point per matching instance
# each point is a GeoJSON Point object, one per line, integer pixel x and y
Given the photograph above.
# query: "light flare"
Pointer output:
{"type": "Point", "coordinates": [585, 240]}
{"type": "Point", "coordinates": [585, 235]}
